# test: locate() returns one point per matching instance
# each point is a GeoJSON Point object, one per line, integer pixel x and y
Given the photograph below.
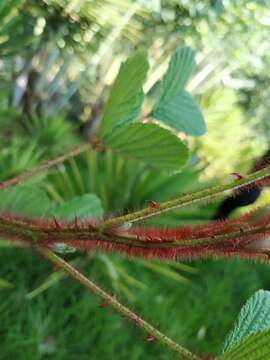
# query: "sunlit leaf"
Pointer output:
{"type": "Point", "coordinates": [149, 143]}
{"type": "Point", "coordinates": [180, 68]}
{"type": "Point", "coordinates": [126, 97]}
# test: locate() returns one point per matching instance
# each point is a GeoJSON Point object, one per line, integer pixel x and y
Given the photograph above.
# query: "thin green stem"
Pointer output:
{"type": "Point", "coordinates": [185, 200]}
{"type": "Point", "coordinates": [121, 309]}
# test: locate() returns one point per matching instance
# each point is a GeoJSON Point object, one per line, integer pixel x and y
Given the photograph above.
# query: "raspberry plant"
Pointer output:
{"type": "Point", "coordinates": [155, 140]}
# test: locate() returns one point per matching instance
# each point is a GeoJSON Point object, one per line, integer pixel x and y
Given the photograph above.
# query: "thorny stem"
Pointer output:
{"type": "Point", "coordinates": [184, 200]}
{"type": "Point", "coordinates": [14, 228]}
{"type": "Point", "coordinates": [46, 165]}
{"type": "Point", "coordinates": [121, 309]}
{"type": "Point", "coordinates": [32, 232]}
{"type": "Point", "coordinates": [207, 240]}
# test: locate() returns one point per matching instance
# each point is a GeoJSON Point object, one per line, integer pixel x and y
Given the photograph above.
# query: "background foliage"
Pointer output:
{"type": "Point", "coordinates": [58, 60]}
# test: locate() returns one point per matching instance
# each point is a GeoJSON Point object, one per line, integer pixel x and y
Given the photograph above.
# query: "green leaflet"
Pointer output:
{"type": "Point", "coordinates": [254, 347]}
{"type": "Point", "coordinates": [24, 200]}
{"type": "Point", "coordinates": [126, 97]}
{"type": "Point", "coordinates": [149, 143]}
{"type": "Point", "coordinates": [85, 206]}
{"type": "Point", "coordinates": [253, 317]}
{"type": "Point", "coordinates": [181, 66]}
{"type": "Point", "coordinates": [175, 107]}
{"type": "Point", "coordinates": [182, 113]}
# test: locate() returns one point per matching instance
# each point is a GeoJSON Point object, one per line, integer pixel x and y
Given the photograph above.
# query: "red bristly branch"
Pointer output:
{"type": "Point", "coordinates": [239, 237]}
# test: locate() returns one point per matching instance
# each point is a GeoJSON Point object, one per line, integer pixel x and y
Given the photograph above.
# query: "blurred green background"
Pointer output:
{"type": "Point", "coordinates": [58, 59]}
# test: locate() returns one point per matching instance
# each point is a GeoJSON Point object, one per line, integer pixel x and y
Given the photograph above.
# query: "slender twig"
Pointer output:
{"type": "Point", "coordinates": [188, 199]}
{"type": "Point", "coordinates": [121, 309]}
{"type": "Point", "coordinates": [46, 165]}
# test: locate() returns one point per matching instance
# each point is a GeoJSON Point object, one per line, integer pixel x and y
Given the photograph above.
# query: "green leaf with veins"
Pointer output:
{"type": "Point", "coordinates": [150, 143]}
{"type": "Point", "coordinates": [253, 317]}
{"type": "Point", "coordinates": [253, 347]}
{"type": "Point", "coordinates": [176, 107]}
{"type": "Point", "coordinates": [126, 97]}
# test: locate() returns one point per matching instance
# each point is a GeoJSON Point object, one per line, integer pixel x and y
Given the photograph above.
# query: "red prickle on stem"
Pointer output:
{"type": "Point", "coordinates": [153, 204]}
{"type": "Point", "coordinates": [237, 176]}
